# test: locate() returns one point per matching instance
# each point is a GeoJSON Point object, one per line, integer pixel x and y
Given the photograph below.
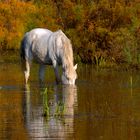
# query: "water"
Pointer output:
{"type": "Point", "coordinates": [104, 104]}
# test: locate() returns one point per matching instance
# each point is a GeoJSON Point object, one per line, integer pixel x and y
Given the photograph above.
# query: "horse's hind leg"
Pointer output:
{"type": "Point", "coordinates": [26, 68]}
{"type": "Point", "coordinates": [27, 71]}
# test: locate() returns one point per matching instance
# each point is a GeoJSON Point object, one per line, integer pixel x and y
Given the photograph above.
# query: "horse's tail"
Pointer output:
{"type": "Point", "coordinates": [22, 49]}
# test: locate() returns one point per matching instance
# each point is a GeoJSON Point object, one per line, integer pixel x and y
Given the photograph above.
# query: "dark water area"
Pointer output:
{"type": "Point", "coordinates": [104, 104]}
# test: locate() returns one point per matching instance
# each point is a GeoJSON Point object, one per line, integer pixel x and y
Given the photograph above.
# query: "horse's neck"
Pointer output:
{"type": "Point", "coordinates": [66, 53]}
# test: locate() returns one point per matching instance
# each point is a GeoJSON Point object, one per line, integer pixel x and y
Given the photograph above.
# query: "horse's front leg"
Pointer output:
{"type": "Point", "coordinates": [56, 70]}
{"type": "Point", "coordinates": [41, 73]}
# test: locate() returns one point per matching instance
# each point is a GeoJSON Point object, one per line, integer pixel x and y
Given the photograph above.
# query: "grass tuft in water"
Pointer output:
{"type": "Point", "coordinates": [45, 103]}
{"type": "Point", "coordinates": [58, 107]}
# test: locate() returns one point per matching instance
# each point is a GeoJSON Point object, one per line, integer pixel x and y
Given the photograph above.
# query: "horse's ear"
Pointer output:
{"type": "Point", "coordinates": [75, 67]}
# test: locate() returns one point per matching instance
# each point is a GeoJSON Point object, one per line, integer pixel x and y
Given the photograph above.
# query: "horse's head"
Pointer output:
{"type": "Point", "coordinates": [69, 77]}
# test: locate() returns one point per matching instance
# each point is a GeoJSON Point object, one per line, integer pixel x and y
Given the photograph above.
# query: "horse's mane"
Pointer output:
{"type": "Point", "coordinates": [67, 61]}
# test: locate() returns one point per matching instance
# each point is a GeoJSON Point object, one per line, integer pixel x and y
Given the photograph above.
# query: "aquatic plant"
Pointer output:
{"type": "Point", "coordinates": [60, 109]}
{"type": "Point", "coordinates": [46, 109]}
{"type": "Point", "coordinates": [53, 109]}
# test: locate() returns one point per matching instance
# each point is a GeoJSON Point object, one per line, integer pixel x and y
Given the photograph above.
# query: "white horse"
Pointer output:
{"type": "Point", "coordinates": [48, 48]}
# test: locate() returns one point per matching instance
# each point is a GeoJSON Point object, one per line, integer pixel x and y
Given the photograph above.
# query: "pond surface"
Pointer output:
{"type": "Point", "coordinates": [104, 105]}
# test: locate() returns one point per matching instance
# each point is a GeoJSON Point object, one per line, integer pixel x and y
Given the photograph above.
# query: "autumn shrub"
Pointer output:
{"type": "Point", "coordinates": [111, 30]}
{"type": "Point", "coordinates": [18, 17]}
{"type": "Point", "coordinates": [13, 17]}
{"type": "Point", "coordinates": [101, 31]}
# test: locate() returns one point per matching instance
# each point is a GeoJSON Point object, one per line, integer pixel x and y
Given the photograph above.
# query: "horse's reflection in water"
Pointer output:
{"type": "Point", "coordinates": [53, 118]}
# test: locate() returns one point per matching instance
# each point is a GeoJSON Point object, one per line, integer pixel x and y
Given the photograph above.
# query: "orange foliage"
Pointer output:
{"type": "Point", "coordinates": [17, 17]}
{"type": "Point", "coordinates": [98, 29]}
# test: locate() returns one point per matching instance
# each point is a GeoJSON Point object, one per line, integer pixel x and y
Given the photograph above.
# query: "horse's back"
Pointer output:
{"type": "Point", "coordinates": [39, 32]}
{"type": "Point", "coordinates": [31, 42]}
{"type": "Point", "coordinates": [46, 46]}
